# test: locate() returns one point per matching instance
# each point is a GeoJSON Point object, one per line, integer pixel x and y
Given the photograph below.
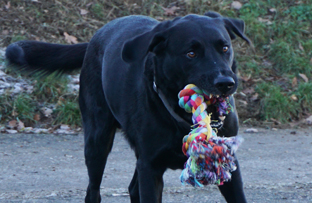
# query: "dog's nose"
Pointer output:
{"type": "Point", "coordinates": [224, 84]}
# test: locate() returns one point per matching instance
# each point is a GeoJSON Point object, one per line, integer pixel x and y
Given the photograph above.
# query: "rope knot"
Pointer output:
{"type": "Point", "coordinates": [210, 158]}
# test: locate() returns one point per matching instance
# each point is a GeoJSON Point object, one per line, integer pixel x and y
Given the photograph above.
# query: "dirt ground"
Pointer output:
{"type": "Point", "coordinates": [50, 168]}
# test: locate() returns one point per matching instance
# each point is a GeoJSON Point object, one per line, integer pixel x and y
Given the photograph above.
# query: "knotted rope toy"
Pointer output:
{"type": "Point", "coordinates": [210, 158]}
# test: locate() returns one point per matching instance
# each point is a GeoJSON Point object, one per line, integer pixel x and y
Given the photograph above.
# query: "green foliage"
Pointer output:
{"type": "Point", "coordinates": [275, 103]}
{"type": "Point", "coordinates": [21, 107]}
{"type": "Point", "coordinates": [50, 88]}
{"type": "Point", "coordinates": [253, 9]}
{"type": "Point", "coordinates": [304, 94]}
{"type": "Point", "coordinates": [300, 12]}
{"type": "Point", "coordinates": [24, 106]}
{"type": "Point", "coordinates": [16, 38]}
{"type": "Point", "coordinates": [68, 113]}
{"type": "Point", "coordinates": [289, 59]}
{"type": "Point", "coordinates": [97, 10]}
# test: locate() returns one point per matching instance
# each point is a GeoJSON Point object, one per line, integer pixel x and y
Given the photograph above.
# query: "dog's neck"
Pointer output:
{"type": "Point", "coordinates": [150, 73]}
{"type": "Point", "coordinates": [168, 107]}
{"type": "Point", "coordinates": [166, 103]}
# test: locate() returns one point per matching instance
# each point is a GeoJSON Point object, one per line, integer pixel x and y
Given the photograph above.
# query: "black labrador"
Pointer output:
{"type": "Point", "coordinates": [132, 71]}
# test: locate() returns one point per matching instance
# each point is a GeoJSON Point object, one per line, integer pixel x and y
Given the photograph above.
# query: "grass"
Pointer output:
{"type": "Point", "coordinates": [20, 107]}
{"type": "Point", "coordinates": [68, 113]}
{"type": "Point", "coordinates": [281, 32]}
{"type": "Point", "coordinates": [276, 104]}
{"type": "Point", "coordinates": [50, 88]}
{"type": "Point", "coordinates": [48, 91]}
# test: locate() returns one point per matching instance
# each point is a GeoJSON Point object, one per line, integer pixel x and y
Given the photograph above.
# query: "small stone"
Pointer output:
{"type": "Point", "coordinates": [40, 130]}
{"type": "Point", "coordinates": [28, 129]}
{"type": "Point", "coordinates": [236, 5]}
{"type": "Point", "coordinates": [309, 120]}
{"type": "Point", "coordinates": [64, 127]}
{"type": "Point", "coordinates": [251, 130]}
{"type": "Point", "coordinates": [17, 89]}
{"type": "Point", "coordinates": [53, 194]}
{"type": "Point", "coordinates": [272, 10]}
{"type": "Point", "coordinates": [46, 111]}
{"type": "Point", "coordinates": [2, 73]}
{"type": "Point", "coordinates": [11, 131]}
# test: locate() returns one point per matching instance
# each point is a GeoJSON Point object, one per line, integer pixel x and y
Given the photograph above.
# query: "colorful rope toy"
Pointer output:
{"type": "Point", "coordinates": [210, 158]}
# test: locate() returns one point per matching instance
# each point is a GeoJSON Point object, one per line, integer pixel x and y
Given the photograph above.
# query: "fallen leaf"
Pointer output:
{"type": "Point", "coordinates": [254, 97]}
{"type": "Point", "coordinates": [242, 102]}
{"type": "Point", "coordinates": [272, 10]}
{"type": "Point", "coordinates": [245, 78]}
{"type": "Point", "coordinates": [83, 12]}
{"type": "Point", "coordinates": [8, 5]}
{"type": "Point", "coordinates": [5, 32]}
{"type": "Point", "coordinates": [236, 5]}
{"type": "Point", "coordinates": [294, 82]}
{"type": "Point", "coordinates": [304, 77]}
{"type": "Point", "coordinates": [20, 125]}
{"type": "Point", "coordinates": [276, 122]}
{"type": "Point", "coordinates": [267, 21]}
{"type": "Point", "coordinates": [37, 117]}
{"type": "Point", "coordinates": [89, 4]}
{"type": "Point", "coordinates": [70, 39]}
{"type": "Point", "coordinates": [301, 47]}
{"type": "Point", "coordinates": [294, 97]}
{"type": "Point", "coordinates": [249, 90]}
{"type": "Point", "coordinates": [12, 124]}
{"type": "Point", "coordinates": [170, 11]}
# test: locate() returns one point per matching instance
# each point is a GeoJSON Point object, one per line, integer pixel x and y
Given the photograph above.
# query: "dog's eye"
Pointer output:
{"type": "Point", "coordinates": [225, 49]}
{"type": "Point", "coordinates": [191, 54]}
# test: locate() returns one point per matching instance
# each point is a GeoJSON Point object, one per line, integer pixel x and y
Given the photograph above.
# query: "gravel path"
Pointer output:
{"type": "Point", "coordinates": [276, 167]}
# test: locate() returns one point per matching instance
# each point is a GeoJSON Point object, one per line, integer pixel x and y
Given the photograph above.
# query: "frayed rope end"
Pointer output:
{"type": "Point", "coordinates": [210, 162]}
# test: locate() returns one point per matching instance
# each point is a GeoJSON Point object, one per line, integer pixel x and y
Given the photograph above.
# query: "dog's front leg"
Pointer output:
{"type": "Point", "coordinates": [150, 182]}
{"type": "Point", "coordinates": [233, 190]}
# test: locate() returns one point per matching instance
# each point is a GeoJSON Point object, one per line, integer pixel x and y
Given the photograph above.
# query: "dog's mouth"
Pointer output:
{"type": "Point", "coordinates": [219, 107]}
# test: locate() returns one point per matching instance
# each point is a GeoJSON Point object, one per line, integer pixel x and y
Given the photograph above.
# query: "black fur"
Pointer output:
{"type": "Point", "coordinates": [121, 62]}
{"type": "Point", "coordinates": [46, 57]}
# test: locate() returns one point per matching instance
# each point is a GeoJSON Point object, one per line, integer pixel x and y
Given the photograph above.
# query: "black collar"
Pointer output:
{"type": "Point", "coordinates": [168, 107]}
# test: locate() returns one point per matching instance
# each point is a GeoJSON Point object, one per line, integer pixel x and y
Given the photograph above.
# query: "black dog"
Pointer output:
{"type": "Point", "coordinates": [132, 71]}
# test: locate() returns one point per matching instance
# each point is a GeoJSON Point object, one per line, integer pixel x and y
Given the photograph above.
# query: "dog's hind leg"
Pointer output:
{"type": "Point", "coordinates": [134, 188]}
{"type": "Point", "coordinates": [99, 126]}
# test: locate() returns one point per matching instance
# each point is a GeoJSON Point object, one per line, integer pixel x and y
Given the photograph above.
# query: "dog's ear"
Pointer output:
{"type": "Point", "coordinates": [237, 26]}
{"type": "Point", "coordinates": [213, 14]}
{"type": "Point", "coordinates": [232, 25]}
{"type": "Point", "coordinates": [151, 41]}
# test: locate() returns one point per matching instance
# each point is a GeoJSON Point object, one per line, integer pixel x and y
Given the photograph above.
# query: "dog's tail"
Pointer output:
{"type": "Point", "coordinates": [34, 56]}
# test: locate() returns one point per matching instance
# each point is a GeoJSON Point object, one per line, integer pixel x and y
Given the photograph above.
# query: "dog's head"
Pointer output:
{"type": "Point", "coordinates": [194, 49]}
